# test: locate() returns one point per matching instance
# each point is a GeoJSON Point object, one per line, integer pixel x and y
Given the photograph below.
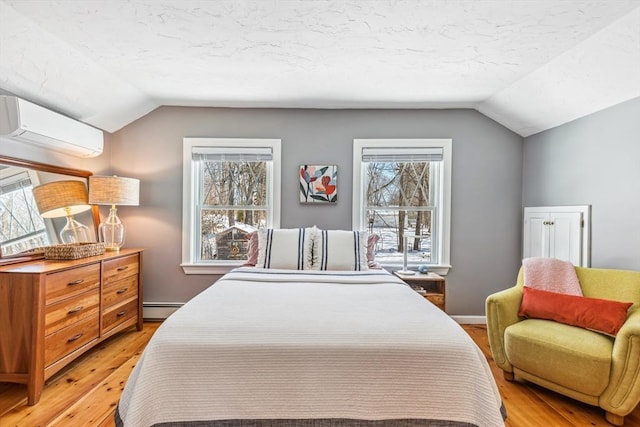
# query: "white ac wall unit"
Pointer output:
{"type": "Point", "coordinates": [21, 120]}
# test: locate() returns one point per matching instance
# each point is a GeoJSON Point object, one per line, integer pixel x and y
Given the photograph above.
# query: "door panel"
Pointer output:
{"type": "Point", "coordinates": [536, 235]}
{"type": "Point", "coordinates": [565, 237]}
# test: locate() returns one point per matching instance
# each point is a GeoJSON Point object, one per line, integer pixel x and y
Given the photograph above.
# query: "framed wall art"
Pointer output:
{"type": "Point", "coordinates": [318, 183]}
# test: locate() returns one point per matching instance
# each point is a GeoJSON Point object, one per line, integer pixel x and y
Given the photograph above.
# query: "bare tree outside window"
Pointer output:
{"type": "Point", "coordinates": [21, 226]}
{"type": "Point", "coordinates": [233, 204]}
{"type": "Point", "coordinates": [398, 202]}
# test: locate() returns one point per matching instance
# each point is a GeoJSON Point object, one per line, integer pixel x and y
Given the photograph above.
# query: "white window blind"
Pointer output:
{"type": "Point", "coordinates": [232, 154]}
{"type": "Point", "coordinates": [402, 154]}
{"type": "Point", "coordinates": [15, 182]}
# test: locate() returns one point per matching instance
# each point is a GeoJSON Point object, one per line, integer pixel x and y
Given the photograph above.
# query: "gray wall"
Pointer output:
{"type": "Point", "coordinates": [593, 160]}
{"type": "Point", "coordinates": [486, 198]}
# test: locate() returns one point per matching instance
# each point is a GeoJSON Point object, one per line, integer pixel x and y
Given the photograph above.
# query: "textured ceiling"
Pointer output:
{"type": "Point", "coordinates": [530, 65]}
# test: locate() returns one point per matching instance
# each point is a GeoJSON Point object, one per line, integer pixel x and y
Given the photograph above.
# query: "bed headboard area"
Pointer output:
{"type": "Point", "coordinates": [312, 248]}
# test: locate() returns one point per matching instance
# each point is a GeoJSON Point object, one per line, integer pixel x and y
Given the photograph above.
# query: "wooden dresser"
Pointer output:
{"type": "Point", "coordinates": [51, 312]}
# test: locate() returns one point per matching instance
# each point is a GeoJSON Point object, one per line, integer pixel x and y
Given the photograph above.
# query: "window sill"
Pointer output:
{"type": "Point", "coordinates": [441, 270]}
{"type": "Point", "coordinates": [208, 268]}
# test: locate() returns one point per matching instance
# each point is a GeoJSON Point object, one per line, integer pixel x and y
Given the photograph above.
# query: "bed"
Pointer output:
{"type": "Point", "coordinates": [287, 347]}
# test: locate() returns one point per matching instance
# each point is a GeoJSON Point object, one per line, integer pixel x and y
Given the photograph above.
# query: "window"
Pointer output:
{"type": "Point", "coordinates": [403, 186]}
{"type": "Point", "coordinates": [21, 226]}
{"type": "Point", "coordinates": [231, 187]}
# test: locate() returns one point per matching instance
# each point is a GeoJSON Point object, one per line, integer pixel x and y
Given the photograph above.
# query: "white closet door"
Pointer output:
{"type": "Point", "coordinates": [565, 237]}
{"type": "Point", "coordinates": [536, 235]}
{"type": "Point", "coordinates": [560, 232]}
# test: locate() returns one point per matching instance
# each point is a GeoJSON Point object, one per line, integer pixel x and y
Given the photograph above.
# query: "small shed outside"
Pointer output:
{"type": "Point", "coordinates": [232, 243]}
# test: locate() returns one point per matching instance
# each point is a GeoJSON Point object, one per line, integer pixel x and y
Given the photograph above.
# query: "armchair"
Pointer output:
{"type": "Point", "coordinates": [585, 365]}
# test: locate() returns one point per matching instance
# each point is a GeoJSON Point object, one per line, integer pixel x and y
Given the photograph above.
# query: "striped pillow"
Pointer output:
{"type": "Point", "coordinates": [285, 248]}
{"type": "Point", "coordinates": [340, 250]}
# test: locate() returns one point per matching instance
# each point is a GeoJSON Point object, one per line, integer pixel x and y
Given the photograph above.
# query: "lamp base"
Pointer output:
{"type": "Point", "coordinates": [74, 232]}
{"type": "Point", "coordinates": [111, 231]}
{"type": "Point", "coordinates": [406, 272]}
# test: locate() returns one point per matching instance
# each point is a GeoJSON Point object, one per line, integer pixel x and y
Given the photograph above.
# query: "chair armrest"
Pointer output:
{"type": "Point", "coordinates": [623, 392]}
{"type": "Point", "coordinates": [502, 311]}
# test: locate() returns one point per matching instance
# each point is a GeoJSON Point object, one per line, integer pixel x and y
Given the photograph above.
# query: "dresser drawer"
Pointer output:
{"type": "Point", "coordinates": [71, 310]}
{"type": "Point", "coordinates": [68, 283]}
{"type": "Point", "coordinates": [117, 314]}
{"type": "Point", "coordinates": [120, 291]}
{"type": "Point", "coordinates": [119, 268]}
{"type": "Point", "coordinates": [70, 338]}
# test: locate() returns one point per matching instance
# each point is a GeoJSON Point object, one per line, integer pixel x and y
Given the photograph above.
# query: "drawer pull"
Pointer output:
{"type": "Point", "coordinates": [122, 291]}
{"type": "Point", "coordinates": [123, 268]}
{"type": "Point", "coordinates": [75, 310]}
{"type": "Point", "coordinates": [75, 337]}
{"type": "Point", "coordinates": [122, 313]}
{"type": "Point", "coordinates": [75, 282]}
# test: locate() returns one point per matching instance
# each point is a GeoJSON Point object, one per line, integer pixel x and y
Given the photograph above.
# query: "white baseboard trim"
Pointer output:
{"type": "Point", "coordinates": [159, 310]}
{"type": "Point", "coordinates": [470, 320]}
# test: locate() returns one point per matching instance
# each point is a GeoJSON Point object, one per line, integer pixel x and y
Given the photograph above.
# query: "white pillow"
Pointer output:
{"type": "Point", "coordinates": [340, 250]}
{"type": "Point", "coordinates": [287, 248]}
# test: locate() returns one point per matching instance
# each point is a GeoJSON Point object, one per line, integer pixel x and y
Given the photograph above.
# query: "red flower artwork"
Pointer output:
{"type": "Point", "coordinates": [318, 184]}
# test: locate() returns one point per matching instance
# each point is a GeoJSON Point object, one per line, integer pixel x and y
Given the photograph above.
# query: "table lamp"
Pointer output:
{"type": "Point", "coordinates": [405, 244]}
{"type": "Point", "coordinates": [64, 198]}
{"type": "Point", "coordinates": [406, 237]}
{"type": "Point", "coordinates": [113, 190]}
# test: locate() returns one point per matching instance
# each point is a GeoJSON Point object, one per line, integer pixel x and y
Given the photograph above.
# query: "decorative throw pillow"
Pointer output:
{"type": "Point", "coordinates": [553, 275]}
{"type": "Point", "coordinates": [600, 315]}
{"type": "Point", "coordinates": [252, 249]}
{"type": "Point", "coordinates": [371, 251]}
{"type": "Point", "coordinates": [285, 248]}
{"type": "Point", "coordinates": [340, 250]}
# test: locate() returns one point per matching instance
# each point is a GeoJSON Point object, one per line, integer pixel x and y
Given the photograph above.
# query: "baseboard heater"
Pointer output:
{"type": "Point", "coordinates": [159, 310]}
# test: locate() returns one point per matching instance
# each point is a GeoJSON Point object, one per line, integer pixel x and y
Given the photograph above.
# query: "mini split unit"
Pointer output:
{"type": "Point", "coordinates": [23, 121]}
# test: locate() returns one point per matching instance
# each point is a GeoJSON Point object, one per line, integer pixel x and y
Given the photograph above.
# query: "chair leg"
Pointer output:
{"type": "Point", "coordinates": [614, 419]}
{"type": "Point", "coordinates": [508, 375]}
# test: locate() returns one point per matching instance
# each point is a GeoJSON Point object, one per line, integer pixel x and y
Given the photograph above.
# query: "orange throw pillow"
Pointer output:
{"type": "Point", "coordinates": [596, 314]}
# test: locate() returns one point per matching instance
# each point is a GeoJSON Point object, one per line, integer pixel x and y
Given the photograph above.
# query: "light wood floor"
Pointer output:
{"type": "Point", "coordinates": [86, 392]}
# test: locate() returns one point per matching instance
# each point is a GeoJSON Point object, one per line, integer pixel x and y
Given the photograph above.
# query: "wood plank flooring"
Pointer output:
{"type": "Point", "coordinates": [87, 391]}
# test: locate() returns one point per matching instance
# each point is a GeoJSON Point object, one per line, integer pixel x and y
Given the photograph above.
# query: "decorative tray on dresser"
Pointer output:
{"type": "Point", "coordinates": [52, 311]}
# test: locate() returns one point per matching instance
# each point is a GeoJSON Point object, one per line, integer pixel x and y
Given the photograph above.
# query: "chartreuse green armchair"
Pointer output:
{"type": "Point", "coordinates": [588, 366]}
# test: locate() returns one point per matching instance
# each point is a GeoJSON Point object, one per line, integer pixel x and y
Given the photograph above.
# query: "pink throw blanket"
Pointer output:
{"type": "Point", "coordinates": [551, 275]}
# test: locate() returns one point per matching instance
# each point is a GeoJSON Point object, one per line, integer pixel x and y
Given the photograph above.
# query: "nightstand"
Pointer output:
{"type": "Point", "coordinates": [431, 286]}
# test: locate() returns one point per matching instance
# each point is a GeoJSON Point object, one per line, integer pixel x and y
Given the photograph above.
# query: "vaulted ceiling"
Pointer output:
{"type": "Point", "coordinates": [530, 65]}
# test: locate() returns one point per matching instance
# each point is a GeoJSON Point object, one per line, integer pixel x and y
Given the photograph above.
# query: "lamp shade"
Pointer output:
{"type": "Point", "coordinates": [61, 198]}
{"type": "Point", "coordinates": [114, 190]}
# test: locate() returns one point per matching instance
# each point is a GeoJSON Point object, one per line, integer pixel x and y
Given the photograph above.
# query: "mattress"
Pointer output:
{"type": "Point", "coordinates": [263, 347]}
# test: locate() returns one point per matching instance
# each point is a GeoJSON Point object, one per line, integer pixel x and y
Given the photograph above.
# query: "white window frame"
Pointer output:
{"type": "Point", "coordinates": [190, 181]}
{"type": "Point", "coordinates": [443, 217]}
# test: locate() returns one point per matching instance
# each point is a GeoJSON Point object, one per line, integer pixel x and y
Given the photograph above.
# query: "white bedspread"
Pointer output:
{"type": "Point", "coordinates": [282, 345]}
